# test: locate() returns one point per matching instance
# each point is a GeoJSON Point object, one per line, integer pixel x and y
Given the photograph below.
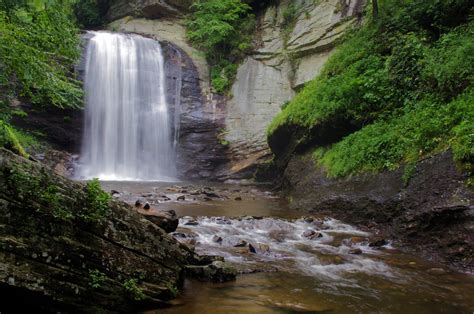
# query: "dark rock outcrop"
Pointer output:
{"type": "Point", "coordinates": [433, 215]}
{"type": "Point", "coordinates": [56, 259]}
{"type": "Point", "coordinates": [146, 8]}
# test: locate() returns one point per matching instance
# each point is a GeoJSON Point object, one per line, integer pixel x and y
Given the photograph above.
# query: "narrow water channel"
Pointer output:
{"type": "Point", "coordinates": [293, 263]}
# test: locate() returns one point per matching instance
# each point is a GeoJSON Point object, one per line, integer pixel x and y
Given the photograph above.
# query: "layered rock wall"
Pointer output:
{"type": "Point", "coordinates": [294, 39]}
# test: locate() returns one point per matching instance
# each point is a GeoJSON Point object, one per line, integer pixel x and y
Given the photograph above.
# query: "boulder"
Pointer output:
{"type": "Point", "coordinates": [167, 220]}
{"type": "Point", "coordinates": [311, 234]}
{"type": "Point", "coordinates": [378, 242]}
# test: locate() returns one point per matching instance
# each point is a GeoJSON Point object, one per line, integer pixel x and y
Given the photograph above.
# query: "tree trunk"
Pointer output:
{"type": "Point", "coordinates": [375, 8]}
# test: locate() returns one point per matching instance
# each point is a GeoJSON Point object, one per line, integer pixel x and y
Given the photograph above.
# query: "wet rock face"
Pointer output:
{"type": "Point", "coordinates": [200, 154]}
{"type": "Point", "coordinates": [431, 216]}
{"type": "Point", "coordinates": [121, 263]}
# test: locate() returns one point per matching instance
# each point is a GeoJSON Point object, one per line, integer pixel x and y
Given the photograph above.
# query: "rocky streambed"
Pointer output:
{"type": "Point", "coordinates": [288, 262]}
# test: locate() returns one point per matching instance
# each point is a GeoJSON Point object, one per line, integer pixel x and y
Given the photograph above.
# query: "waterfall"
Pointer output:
{"type": "Point", "coordinates": [128, 128]}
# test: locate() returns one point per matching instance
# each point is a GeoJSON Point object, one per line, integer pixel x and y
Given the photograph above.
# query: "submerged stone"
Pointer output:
{"type": "Point", "coordinates": [218, 271]}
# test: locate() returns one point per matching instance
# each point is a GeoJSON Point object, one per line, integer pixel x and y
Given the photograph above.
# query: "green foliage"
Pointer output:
{"type": "Point", "coordinates": [404, 81]}
{"type": "Point", "coordinates": [289, 14]}
{"type": "Point", "coordinates": [54, 201]}
{"type": "Point", "coordinates": [96, 278]}
{"type": "Point", "coordinates": [131, 286]}
{"type": "Point", "coordinates": [425, 129]}
{"type": "Point", "coordinates": [40, 192]}
{"type": "Point", "coordinates": [97, 202]}
{"type": "Point", "coordinates": [222, 29]}
{"type": "Point", "coordinates": [223, 75]}
{"type": "Point", "coordinates": [88, 14]}
{"type": "Point", "coordinates": [38, 46]}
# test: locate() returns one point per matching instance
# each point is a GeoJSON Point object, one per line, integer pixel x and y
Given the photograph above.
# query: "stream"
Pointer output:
{"type": "Point", "coordinates": [289, 262]}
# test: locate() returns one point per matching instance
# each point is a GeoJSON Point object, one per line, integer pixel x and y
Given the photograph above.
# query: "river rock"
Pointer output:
{"type": "Point", "coordinates": [181, 198]}
{"type": "Point", "coordinates": [378, 242]}
{"type": "Point", "coordinates": [211, 194]}
{"type": "Point", "coordinates": [222, 221]}
{"type": "Point", "coordinates": [355, 251]}
{"type": "Point", "coordinates": [191, 222]}
{"type": "Point", "coordinates": [278, 235]}
{"type": "Point", "coordinates": [263, 248]}
{"type": "Point", "coordinates": [238, 198]}
{"type": "Point", "coordinates": [147, 206]}
{"type": "Point", "coordinates": [165, 198]}
{"type": "Point", "coordinates": [178, 235]}
{"type": "Point", "coordinates": [166, 219]}
{"type": "Point", "coordinates": [252, 249]}
{"type": "Point", "coordinates": [241, 243]}
{"type": "Point", "coordinates": [216, 239]}
{"type": "Point", "coordinates": [218, 271]}
{"type": "Point", "coordinates": [311, 234]}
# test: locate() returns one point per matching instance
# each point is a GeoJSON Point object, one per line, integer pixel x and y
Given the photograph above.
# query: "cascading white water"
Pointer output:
{"type": "Point", "coordinates": [128, 129]}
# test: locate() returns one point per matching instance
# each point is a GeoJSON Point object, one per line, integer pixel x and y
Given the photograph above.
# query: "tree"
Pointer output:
{"type": "Point", "coordinates": [375, 8]}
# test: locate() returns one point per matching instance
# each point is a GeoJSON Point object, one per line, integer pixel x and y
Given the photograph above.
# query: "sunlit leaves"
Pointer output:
{"type": "Point", "coordinates": [38, 45]}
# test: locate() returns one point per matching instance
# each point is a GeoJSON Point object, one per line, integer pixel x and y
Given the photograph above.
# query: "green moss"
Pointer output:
{"type": "Point", "coordinates": [408, 173]}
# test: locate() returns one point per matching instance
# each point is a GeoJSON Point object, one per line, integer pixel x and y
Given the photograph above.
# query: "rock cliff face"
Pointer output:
{"type": "Point", "coordinates": [294, 40]}
{"type": "Point", "coordinates": [122, 263]}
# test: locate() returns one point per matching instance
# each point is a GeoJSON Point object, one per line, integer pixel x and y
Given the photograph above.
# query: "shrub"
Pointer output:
{"type": "Point", "coordinates": [131, 286]}
{"type": "Point", "coordinates": [96, 278]}
{"type": "Point", "coordinates": [97, 202]}
{"type": "Point", "coordinates": [222, 29]}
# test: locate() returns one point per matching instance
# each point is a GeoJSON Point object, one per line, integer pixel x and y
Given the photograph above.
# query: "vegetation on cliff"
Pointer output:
{"type": "Point", "coordinates": [402, 81]}
{"type": "Point", "coordinates": [222, 29]}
